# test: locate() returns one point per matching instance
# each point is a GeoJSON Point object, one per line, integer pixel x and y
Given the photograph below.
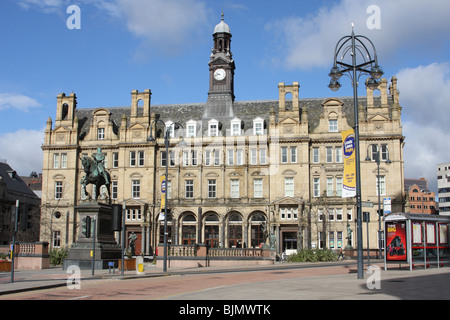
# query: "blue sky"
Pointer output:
{"type": "Point", "coordinates": [164, 45]}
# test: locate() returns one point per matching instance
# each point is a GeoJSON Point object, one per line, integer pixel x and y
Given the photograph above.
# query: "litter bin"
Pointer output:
{"type": "Point", "coordinates": [140, 265]}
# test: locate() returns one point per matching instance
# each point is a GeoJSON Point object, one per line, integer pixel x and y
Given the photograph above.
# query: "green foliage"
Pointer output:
{"type": "Point", "coordinates": [310, 255]}
{"type": "Point", "coordinates": [57, 256]}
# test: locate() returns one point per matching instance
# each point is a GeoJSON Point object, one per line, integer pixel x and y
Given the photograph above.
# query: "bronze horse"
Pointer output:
{"type": "Point", "coordinates": [94, 177]}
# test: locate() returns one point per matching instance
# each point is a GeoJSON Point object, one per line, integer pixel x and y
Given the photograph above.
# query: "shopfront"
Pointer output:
{"type": "Point", "coordinates": [418, 240]}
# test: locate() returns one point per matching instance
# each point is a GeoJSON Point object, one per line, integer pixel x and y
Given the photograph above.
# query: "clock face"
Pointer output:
{"type": "Point", "coordinates": [219, 74]}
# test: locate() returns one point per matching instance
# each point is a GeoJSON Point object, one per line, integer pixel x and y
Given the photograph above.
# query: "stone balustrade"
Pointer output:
{"type": "Point", "coordinates": [31, 256]}
{"type": "Point", "coordinates": [184, 256]}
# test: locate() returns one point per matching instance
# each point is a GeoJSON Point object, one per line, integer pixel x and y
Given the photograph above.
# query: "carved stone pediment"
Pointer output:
{"type": "Point", "coordinates": [288, 201]}
{"type": "Point", "coordinates": [378, 118]}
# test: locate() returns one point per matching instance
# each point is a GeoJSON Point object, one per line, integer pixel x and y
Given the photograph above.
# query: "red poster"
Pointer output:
{"type": "Point", "coordinates": [396, 241]}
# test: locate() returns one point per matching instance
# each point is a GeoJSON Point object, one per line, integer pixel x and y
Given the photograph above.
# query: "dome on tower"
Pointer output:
{"type": "Point", "coordinates": [222, 27]}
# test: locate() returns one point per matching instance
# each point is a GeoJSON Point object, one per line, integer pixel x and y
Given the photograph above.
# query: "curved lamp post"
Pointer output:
{"type": "Point", "coordinates": [166, 144]}
{"type": "Point", "coordinates": [361, 47]}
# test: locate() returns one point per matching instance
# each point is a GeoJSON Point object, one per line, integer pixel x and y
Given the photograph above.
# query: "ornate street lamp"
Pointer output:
{"type": "Point", "coordinates": [182, 143]}
{"type": "Point", "coordinates": [361, 47]}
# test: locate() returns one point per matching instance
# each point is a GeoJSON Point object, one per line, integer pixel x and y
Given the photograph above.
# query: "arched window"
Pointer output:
{"type": "Point", "coordinates": [288, 99]}
{"type": "Point", "coordinates": [169, 229]}
{"type": "Point", "coordinates": [257, 233]}
{"type": "Point", "coordinates": [235, 230]}
{"type": "Point", "coordinates": [188, 229]}
{"type": "Point", "coordinates": [212, 230]}
{"type": "Point", "coordinates": [140, 107]}
{"type": "Point", "coordinates": [333, 122]}
{"type": "Point", "coordinates": [65, 111]}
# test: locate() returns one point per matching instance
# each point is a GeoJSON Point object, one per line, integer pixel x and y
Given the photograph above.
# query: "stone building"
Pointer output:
{"type": "Point", "coordinates": [13, 188]}
{"type": "Point", "coordinates": [242, 164]}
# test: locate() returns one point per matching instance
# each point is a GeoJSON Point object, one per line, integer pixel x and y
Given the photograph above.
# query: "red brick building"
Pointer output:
{"type": "Point", "coordinates": [420, 198]}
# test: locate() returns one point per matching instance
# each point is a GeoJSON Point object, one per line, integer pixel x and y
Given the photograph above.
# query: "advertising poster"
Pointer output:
{"type": "Point", "coordinates": [349, 183]}
{"type": "Point", "coordinates": [396, 241]}
{"type": "Point", "coordinates": [417, 233]}
{"type": "Point", "coordinates": [431, 233]}
{"type": "Point", "coordinates": [443, 234]}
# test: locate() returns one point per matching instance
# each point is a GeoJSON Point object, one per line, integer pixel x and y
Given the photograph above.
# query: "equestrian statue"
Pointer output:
{"type": "Point", "coordinates": [96, 173]}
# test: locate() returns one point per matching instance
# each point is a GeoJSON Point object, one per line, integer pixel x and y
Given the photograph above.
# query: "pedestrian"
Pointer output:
{"type": "Point", "coordinates": [341, 254]}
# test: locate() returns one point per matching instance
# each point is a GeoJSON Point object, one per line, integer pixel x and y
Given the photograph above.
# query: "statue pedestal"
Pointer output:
{"type": "Point", "coordinates": [268, 252]}
{"type": "Point", "coordinates": [106, 247]}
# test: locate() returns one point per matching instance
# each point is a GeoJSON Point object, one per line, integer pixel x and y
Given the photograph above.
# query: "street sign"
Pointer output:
{"type": "Point", "coordinates": [366, 216]}
{"type": "Point", "coordinates": [367, 204]}
{"type": "Point", "coordinates": [387, 205]}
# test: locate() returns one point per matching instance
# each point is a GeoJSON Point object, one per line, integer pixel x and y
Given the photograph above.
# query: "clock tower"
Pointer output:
{"type": "Point", "coordinates": [221, 75]}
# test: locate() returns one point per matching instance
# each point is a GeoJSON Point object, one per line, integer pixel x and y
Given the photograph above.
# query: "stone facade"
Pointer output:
{"type": "Point", "coordinates": [248, 164]}
{"type": "Point", "coordinates": [13, 188]}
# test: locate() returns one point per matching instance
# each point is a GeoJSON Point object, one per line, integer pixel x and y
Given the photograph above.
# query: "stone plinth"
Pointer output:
{"type": "Point", "coordinates": [106, 247]}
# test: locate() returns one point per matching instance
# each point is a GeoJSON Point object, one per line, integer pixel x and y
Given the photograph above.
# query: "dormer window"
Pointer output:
{"type": "Point", "coordinates": [235, 127]}
{"type": "Point", "coordinates": [332, 125]}
{"type": "Point", "coordinates": [191, 128]}
{"type": "Point", "coordinates": [258, 126]}
{"type": "Point", "coordinates": [101, 134]}
{"type": "Point", "coordinates": [170, 128]}
{"type": "Point", "coordinates": [213, 128]}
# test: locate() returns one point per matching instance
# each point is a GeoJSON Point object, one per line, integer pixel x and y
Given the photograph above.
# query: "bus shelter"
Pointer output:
{"type": "Point", "coordinates": [416, 239]}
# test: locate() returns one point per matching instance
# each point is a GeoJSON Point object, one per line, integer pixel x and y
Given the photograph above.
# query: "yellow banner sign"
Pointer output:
{"type": "Point", "coordinates": [163, 198]}
{"type": "Point", "coordinates": [349, 183]}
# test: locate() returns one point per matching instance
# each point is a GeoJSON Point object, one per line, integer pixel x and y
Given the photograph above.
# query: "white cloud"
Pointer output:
{"type": "Point", "coordinates": [41, 3]}
{"type": "Point", "coordinates": [22, 150]}
{"type": "Point", "coordinates": [165, 25]}
{"type": "Point", "coordinates": [425, 119]}
{"type": "Point", "coordinates": [307, 42]}
{"type": "Point", "coordinates": [60, 6]}
{"type": "Point", "coordinates": [47, 6]}
{"type": "Point", "coordinates": [17, 101]}
{"type": "Point", "coordinates": [405, 26]}
{"type": "Point", "coordinates": [108, 6]}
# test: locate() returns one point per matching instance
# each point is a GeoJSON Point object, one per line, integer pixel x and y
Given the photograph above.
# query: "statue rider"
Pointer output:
{"type": "Point", "coordinates": [99, 157]}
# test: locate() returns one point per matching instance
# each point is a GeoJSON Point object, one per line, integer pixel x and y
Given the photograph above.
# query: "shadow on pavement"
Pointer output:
{"type": "Point", "coordinates": [424, 287]}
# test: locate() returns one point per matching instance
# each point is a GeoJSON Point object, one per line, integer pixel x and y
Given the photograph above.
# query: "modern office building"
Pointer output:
{"type": "Point", "coordinates": [443, 179]}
